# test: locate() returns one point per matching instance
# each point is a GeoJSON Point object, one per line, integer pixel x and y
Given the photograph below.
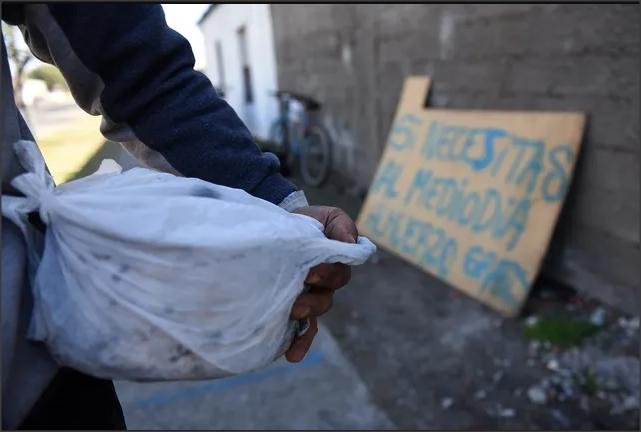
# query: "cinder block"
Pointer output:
{"type": "Point", "coordinates": [608, 256]}
{"type": "Point", "coordinates": [494, 11]}
{"type": "Point", "coordinates": [612, 213]}
{"type": "Point", "coordinates": [612, 277]}
{"type": "Point", "coordinates": [485, 39]}
{"type": "Point", "coordinates": [614, 172]}
{"type": "Point", "coordinates": [615, 126]}
{"type": "Point", "coordinates": [568, 77]}
{"type": "Point", "coordinates": [481, 75]}
{"type": "Point", "coordinates": [610, 30]}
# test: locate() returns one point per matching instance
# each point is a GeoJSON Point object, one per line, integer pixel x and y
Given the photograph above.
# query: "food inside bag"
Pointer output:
{"type": "Point", "coordinates": [148, 276]}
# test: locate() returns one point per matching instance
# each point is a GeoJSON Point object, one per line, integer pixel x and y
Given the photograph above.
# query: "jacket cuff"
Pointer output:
{"type": "Point", "coordinates": [274, 188]}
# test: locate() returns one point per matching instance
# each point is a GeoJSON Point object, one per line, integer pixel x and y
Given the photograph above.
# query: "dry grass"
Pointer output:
{"type": "Point", "coordinates": [68, 149]}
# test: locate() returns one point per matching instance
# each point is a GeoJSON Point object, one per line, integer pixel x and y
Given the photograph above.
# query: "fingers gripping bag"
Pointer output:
{"type": "Point", "coordinates": [145, 275]}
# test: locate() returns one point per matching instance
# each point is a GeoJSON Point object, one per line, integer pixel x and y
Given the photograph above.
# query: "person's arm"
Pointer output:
{"type": "Point", "coordinates": [123, 62]}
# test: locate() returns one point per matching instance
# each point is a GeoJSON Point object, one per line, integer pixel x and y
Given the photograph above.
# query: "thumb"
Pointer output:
{"type": "Point", "coordinates": [340, 227]}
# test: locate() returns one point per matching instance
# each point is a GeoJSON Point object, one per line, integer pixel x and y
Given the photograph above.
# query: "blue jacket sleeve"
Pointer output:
{"type": "Point", "coordinates": [123, 62]}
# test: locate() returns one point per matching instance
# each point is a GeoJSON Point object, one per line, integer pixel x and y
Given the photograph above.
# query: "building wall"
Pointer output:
{"type": "Point", "coordinates": [222, 25]}
{"type": "Point", "coordinates": [525, 57]}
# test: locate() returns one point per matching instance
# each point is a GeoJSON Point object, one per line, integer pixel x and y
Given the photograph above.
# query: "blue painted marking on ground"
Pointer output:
{"type": "Point", "coordinates": [164, 398]}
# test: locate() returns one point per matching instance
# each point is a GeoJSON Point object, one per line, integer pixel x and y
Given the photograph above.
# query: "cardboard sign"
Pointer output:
{"type": "Point", "coordinates": [472, 196]}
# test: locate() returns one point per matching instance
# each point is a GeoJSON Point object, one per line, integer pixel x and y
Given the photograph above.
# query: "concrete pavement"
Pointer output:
{"type": "Point", "coordinates": [322, 392]}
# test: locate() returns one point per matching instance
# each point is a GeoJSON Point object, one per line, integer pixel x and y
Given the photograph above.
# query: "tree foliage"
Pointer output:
{"type": "Point", "coordinates": [50, 75]}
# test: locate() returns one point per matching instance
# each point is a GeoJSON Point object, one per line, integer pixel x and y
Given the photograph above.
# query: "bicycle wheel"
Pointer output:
{"type": "Point", "coordinates": [316, 156]}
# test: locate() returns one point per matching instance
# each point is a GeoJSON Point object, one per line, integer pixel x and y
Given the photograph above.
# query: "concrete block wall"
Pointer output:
{"type": "Point", "coordinates": [354, 58]}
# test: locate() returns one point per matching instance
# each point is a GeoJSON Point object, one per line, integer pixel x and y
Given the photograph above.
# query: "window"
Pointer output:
{"type": "Point", "coordinates": [245, 68]}
{"type": "Point", "coordinates": [221, 69]}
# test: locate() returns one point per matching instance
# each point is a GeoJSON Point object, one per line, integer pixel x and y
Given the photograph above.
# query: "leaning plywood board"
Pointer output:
{"type": "Point", "coordinates": [472, 196]}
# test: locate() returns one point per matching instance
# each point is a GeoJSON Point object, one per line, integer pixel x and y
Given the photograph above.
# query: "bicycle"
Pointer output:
{"type": "Point", "coordinates": [301, 137]}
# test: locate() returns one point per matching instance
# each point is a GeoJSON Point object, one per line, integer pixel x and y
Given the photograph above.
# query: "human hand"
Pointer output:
{"type": "Point", "coordinates": [324, 279]}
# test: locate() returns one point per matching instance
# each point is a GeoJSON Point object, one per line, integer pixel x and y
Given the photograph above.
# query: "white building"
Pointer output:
{"type": "Point", "coordinates": [241, 61]}
{"type": "Point", "coordinates": [33, 90]}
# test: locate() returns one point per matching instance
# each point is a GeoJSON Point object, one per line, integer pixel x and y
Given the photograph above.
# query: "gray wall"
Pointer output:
{"type": "Point", "coordinates": [534, 57]}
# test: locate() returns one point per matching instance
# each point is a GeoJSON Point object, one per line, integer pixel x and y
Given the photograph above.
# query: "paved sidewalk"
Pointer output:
{"type": "Point", "coordinates": [322, 392]}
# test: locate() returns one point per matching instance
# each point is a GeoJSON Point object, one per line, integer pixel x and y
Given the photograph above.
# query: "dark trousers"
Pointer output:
{"type": "Point", "coordinates": [74, 400]}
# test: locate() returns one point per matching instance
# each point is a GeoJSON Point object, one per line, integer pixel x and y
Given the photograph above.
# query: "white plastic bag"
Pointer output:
{"type": "Point", "coordinates": [147, 276]}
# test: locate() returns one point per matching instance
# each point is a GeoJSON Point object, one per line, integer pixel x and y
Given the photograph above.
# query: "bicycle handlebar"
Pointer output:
{"type": "Point", "coordinates": [309, 102]}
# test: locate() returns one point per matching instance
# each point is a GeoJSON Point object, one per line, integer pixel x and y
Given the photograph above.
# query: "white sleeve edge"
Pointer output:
{"type": "Point", "coordinates": [294, 200]}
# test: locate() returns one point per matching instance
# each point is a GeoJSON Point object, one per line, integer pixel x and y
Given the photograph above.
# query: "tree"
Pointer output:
{"type": "Point", "coordinates": [50, 75]}
{"type": "Point", "coordinates": [19, 56]}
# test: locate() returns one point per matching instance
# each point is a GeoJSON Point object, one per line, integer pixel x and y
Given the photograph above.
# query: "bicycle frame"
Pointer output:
{"type": "Point", "coordinates": [294, 130]}
{"type": "Point", "coordinates": [294, 127]}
